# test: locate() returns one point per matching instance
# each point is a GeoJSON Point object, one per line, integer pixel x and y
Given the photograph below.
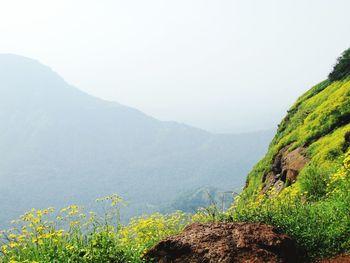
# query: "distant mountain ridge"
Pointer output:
{"type": "Point", "coordinates": [59, 144]}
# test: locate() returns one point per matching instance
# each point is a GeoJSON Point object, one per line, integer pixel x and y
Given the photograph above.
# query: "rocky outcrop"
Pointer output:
{"type": "Point", "coordinates": [226, 243]}
{"type": "Point", "coordinates": [285, 169]}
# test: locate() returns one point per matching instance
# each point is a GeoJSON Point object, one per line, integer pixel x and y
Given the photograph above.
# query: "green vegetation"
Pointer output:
{"type": "Point", "coordinates": [319, 120]}
{"type": "Point", "coordinates": [313, 181]}
{"type": "Point", "coordinates": [342, 67]}
{"type": "Point", "coordinates": [315, 209]}
{"type": "Point", "coordinates": [71, 235]}
{"type": "Point", "coordinates": [321, 227]}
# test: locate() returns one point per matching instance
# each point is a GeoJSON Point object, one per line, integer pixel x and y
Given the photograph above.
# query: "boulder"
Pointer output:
{"type": "Point", "coordinates": [225, 243]}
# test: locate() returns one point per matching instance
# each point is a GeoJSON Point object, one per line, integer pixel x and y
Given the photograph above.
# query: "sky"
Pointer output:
{"type": "Point", "coordinates": [221, 65]}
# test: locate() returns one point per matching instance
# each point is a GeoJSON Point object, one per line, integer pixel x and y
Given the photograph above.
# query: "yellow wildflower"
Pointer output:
{"type": "Point", "coordinates": [13, 245]}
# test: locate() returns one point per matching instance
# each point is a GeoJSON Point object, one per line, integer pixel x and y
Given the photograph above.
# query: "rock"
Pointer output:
{"type": "Point", "coordinates": [338, 259]}
{"type": "Point", "coordinates": [285, 169]}
{"type": "Point", "coordinates": [226, 243]}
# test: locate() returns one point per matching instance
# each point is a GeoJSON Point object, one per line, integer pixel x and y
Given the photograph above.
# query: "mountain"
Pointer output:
{"type": "Point", "coordinates": [59, 144]}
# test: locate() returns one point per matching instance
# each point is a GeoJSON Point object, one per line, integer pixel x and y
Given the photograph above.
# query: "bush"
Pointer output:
{"type": "Point", "coordinates": [313, 182]}
{"type": "Point", "coordinates": [342, 68]}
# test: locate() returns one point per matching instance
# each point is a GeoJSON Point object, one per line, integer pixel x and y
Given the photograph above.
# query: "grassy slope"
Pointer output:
{"type": "Point", "coordinates": [315, 210]}
{"type": "Point", "coordinates": [318, 120]}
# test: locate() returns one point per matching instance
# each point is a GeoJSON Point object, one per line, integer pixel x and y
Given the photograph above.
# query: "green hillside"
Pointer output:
{"type": "Point", "coordinates": [301, 185]}
{"type": "Point", "coordinates": [318, 121]}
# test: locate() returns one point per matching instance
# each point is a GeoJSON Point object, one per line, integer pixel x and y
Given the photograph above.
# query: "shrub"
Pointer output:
{"type": "Point", "coordinates": [313, 182]}
{"type": "Point", "coordinates": [342, 68]}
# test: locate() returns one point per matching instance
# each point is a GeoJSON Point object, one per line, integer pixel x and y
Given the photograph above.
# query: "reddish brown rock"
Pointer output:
{"type": "Point", "coordinates": [226, 243]}
{"type": "Point", "coordinates": [338, 259]}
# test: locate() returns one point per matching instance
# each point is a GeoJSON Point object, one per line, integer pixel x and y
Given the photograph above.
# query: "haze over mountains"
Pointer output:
{"type": "Point", "coordinates": [59, 145]}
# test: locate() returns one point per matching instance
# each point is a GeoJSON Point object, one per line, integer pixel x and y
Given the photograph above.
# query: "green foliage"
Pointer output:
{"type": "Point", "coordinates": [144, 232]}
{"type": "Point", "coordinates": [341, 69]}
{"type": "Point", "coordinates": [70, 235]}
{"type": "Point", "coordinates": [319, 121]}
{"type": "Point", "coordinates": [318, 219]}
{"type": "Point", "coordinates": [313, 182]}
{"type": "Point", "coordinates": [322, 229]}
{"type": "Point", "coordinates": [314, 210]}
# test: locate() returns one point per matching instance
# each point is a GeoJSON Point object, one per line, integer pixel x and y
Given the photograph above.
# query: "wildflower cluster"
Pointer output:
{"type": "Point", "coordinates": [145, 231]}
{"type": "Point", "coordinates": [341, 177]}
{"type": "Point", "coordinates": [72, 235]}
{"type": "Point", "coordinates": [42, 235]}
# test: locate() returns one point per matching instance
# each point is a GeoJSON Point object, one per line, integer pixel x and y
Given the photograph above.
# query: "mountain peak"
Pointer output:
{"type": "Point", "coordinates": [26, 83]}
{"type": "Point", "coordinates": [22, 72]}
{"type": "Point", "coordinates": [24, 80]}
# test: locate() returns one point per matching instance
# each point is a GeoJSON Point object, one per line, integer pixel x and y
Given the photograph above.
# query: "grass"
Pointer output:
{"type": "Point", "coordinates": [319, 120]}
{"type": "Point", "coordinates": [321, 227]}
{"type": "Point", "coordinates": [315, 210]}
{"type": "Point", "coordinates": [71, 235]}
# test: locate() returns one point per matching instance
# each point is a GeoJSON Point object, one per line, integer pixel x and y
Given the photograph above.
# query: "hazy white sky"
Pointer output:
{"type": "Point", "coordinates": [222, 65]}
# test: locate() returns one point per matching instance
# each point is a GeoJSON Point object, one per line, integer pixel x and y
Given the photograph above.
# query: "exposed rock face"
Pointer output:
{"type": "Point", "coordinates": [226, 243]}
{"type": "Point", "coordinates": [285, 169]}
